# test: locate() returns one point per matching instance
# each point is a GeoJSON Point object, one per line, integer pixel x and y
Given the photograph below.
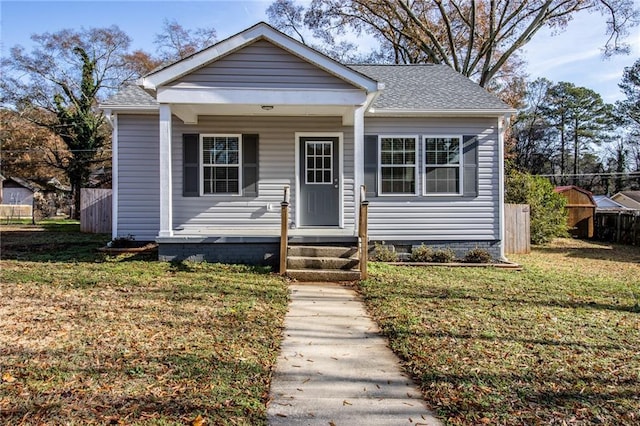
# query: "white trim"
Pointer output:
{"type": "Point", "coordinates": [246, 37]}
{"type": "Point", "coordinates": [260, 96]}
{"type": "Point", "coordinates": [201, 164]}
{"type": "Point", "coordinates": [166, 196]}
{"type": "Point", "coordinates": [358, 160]}
{"type": "Point", "coordinates": [340, 136]}
{"type": "Point", "coordinates": [460, 166]}
{"type": "Point", "coordinates": [306, 157]}
{"type": "Point", "coordinates": [415, 166]}
{"type": "Point", "coordinates": [115, 177]}
{"type": "Point", "coordinates": [138, 109]}
{"type": "Point", "coordinates": [502, 124]}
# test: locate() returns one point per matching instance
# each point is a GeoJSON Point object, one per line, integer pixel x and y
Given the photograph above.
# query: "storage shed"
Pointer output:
{"type": "Point", "coordinates": [581, 208]}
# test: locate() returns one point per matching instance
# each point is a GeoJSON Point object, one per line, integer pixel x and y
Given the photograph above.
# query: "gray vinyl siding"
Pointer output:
{"type": "Point", "coordinates": [276, 158]}
{"type": "Point", "coordinates": [440, 218]}
{"type": "Point", "coordinates": [262, 65]}
{"type": "Point", "coordinates": [138, 176]}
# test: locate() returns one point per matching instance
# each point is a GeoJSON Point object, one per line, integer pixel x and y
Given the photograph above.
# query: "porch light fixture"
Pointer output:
{"type": "Point", "coordinates": [267, 107]}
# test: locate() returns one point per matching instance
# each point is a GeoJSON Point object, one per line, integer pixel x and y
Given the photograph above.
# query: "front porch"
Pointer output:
{"type": "Point", "coordinates": [311, 253]}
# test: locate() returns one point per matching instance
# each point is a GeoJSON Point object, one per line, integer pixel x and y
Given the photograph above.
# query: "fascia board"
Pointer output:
{"type": "Point", "coordinates": [387, 112]}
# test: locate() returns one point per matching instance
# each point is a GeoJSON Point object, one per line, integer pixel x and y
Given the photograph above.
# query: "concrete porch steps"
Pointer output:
{"type": "Point", "coordinates": [323, 263]}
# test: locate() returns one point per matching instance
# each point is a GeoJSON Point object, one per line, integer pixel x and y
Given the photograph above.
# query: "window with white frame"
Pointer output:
{"type": "Point", "coordinates": [220, 164]}
{"type": "Point", "coordinates": [398, 165]}
{"type": "Point", "coordinates": [443, 164]}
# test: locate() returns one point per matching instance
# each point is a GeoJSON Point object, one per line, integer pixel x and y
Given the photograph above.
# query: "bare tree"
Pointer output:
{"type": "Point", "coordinates": [475, 37]}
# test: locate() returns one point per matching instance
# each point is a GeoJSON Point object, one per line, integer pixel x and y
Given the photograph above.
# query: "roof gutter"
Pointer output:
{"type": "Point", "coordinates": [397, 112]}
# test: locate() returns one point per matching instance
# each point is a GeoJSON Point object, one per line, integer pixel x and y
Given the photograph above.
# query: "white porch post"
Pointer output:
{"type": "Point", "coordinates": [166, 201]}
{"type": "Point", "coordinates": [358, 158]}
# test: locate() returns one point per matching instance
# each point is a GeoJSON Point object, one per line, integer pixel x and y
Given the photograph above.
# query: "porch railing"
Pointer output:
{"type": "Point", "coordinates": [363, 233]}
{"type": "Point", "coordinates": [284, 230]}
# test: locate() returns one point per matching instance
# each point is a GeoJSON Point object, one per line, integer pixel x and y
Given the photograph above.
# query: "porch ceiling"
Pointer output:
{"type": "Point", "coordinates": [189, 113]}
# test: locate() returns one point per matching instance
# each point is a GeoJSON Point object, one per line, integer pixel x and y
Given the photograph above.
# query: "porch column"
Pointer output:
{"type": "Point", "coordinates": [358, 157]}
{"type": "Point", "coordinates": [166, 201]}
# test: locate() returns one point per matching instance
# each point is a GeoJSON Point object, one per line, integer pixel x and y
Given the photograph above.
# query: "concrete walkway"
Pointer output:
{"type": "Point", "coordinates": [335, 368]}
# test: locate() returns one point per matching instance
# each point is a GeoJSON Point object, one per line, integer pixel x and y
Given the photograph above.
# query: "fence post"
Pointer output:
{"type": "Point", "coordinates": [363, 238]}
{"type": "Point", "coordinates": [284, 229]}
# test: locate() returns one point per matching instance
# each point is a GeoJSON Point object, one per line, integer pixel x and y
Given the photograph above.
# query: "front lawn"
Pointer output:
{"type": "Point", "coordinates": [92, 339]}
{"type": "Point", "coordinates": [555, 343]}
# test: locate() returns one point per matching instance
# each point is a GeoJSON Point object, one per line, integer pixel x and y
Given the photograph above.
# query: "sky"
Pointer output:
{"type": "Point", "coordinates": [574, 55]}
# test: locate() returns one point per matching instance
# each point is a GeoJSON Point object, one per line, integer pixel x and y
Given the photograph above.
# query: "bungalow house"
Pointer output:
{"type": "Point", "coordinates": [205, 149]}
{"type": "Point", "coordinates": [630, 199]}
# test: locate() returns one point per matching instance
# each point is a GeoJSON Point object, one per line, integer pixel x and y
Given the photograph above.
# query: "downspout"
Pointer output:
{"type": "Point", "coordinates": [115, 176]}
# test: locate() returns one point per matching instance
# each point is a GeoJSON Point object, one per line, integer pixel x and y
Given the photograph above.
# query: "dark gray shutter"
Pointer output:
{"type": "Point", "coordinates": [250, 165]}
{"type": "Point", "coordinates": [371, 164]}
{"type": "Point", "coordinates": [190, 165]}
{"type": "Point", "coordinates": [470, 165]}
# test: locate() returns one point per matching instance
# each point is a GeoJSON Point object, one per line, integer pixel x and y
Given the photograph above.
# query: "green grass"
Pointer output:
{"type": "Point", "coordinates": [554, 343]}
{"type": "Point", "coordinates": [92, 339]}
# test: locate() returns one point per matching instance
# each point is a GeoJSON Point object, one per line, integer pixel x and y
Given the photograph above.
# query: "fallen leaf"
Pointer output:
{"type": "Point", "coordinates": [7, 377]}
{"type": "Point", "coordinates": [198, 421]}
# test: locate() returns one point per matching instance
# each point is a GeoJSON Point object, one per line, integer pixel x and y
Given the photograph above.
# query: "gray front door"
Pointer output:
{"type": "Point", "coordinates": [319, 181]}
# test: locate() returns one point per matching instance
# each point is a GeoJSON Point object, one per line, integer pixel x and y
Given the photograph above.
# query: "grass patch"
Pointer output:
{"type": "Point", "coordinates": [92, 339]}
{"type": "Point", "coordinates": [554, 343]}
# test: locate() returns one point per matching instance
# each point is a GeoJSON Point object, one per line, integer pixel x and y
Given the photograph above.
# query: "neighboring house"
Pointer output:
{"type": "Point", "coordinates": [630, 199]}
{"type": "Point", "coordinates": [17, 191]}
{"type": "Point", "coordinates": [2, 179]}
{"type": "Point", "coordinates": [581, 210]}
{"type": "Point", "coordinates": [604, 204]}
{"type": "Point", "coordinates": [204, 148]}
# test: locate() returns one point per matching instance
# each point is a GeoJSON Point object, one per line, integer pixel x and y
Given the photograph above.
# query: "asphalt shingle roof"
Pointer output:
{"type": "Point", "coordinates": [131, 96]}
{"type": "Point", "coordinates": [407, 87]}
{"type": "Point", "coordinates": [428, 87]}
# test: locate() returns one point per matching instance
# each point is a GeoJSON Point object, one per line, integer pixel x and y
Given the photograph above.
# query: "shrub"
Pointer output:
{"type": "Point", "coordinates": [123, 242]}
{"type": "Point", "coordinates": [478, 255]}
{"type": "Point", "coordinates": [383, 253]}
{"type": "Point", "coordinates": [548, 215]}
{"type": "Point", "coordinates": [421, 254]}
{"type": "Point", "coordinates": [443, 256]}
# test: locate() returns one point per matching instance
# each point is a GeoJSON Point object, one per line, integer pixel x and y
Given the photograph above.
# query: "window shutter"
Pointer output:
{"type": "Point", "coordinates": [371, 164]}
{"type": "Point", "coordinates": [250, 165]}
{"type": "Point", "coordinates": [470, 165]}
{"type": "Point", "coordinates": [190, 165]}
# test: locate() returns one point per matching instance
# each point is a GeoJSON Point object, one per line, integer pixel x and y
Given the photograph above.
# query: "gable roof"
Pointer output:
{"type": "Point", "coordinates": [260, 31]}
{"type": "Point", "coordinates": [397, 90]}
{"type": "Point", "coordinates": [634, 195]}
{"type": "Point", "coordinates": [429, 88]}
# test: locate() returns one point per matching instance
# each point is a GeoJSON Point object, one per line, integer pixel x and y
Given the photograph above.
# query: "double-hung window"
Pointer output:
{"type": "Point", "coordinates": [221, 162]}
{"type": "Point", "coordinates": [398, 165]}
{"type": "Point", "coordinates": [443, 165]}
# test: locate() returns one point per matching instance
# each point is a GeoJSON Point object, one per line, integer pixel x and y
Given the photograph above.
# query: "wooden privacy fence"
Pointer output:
{"type": "Point", "coordinates": [517, 228]}
{"type": "Point", "coordinates": [95, 210]}
{"type": "Point", "coordinates": [618, 227]}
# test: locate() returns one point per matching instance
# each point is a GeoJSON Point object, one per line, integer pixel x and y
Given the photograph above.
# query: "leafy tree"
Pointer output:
{"type": "Point", "coordinates": [581, 119]}
{"type": "Point", "coordinates": [547, 208]}
{"type": "Point", "coordinates": [630, 85]}
{"type": "Point", "coordinates": [534, 139]}
{"type": "Point", "coordinates": [58, 85]}
{"type": "Point", "coordinates": [628, 112]}
{"type": "Point", "coordinates": [477, 38]}
{"type": "Point", "coordinates": [26, 148]}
